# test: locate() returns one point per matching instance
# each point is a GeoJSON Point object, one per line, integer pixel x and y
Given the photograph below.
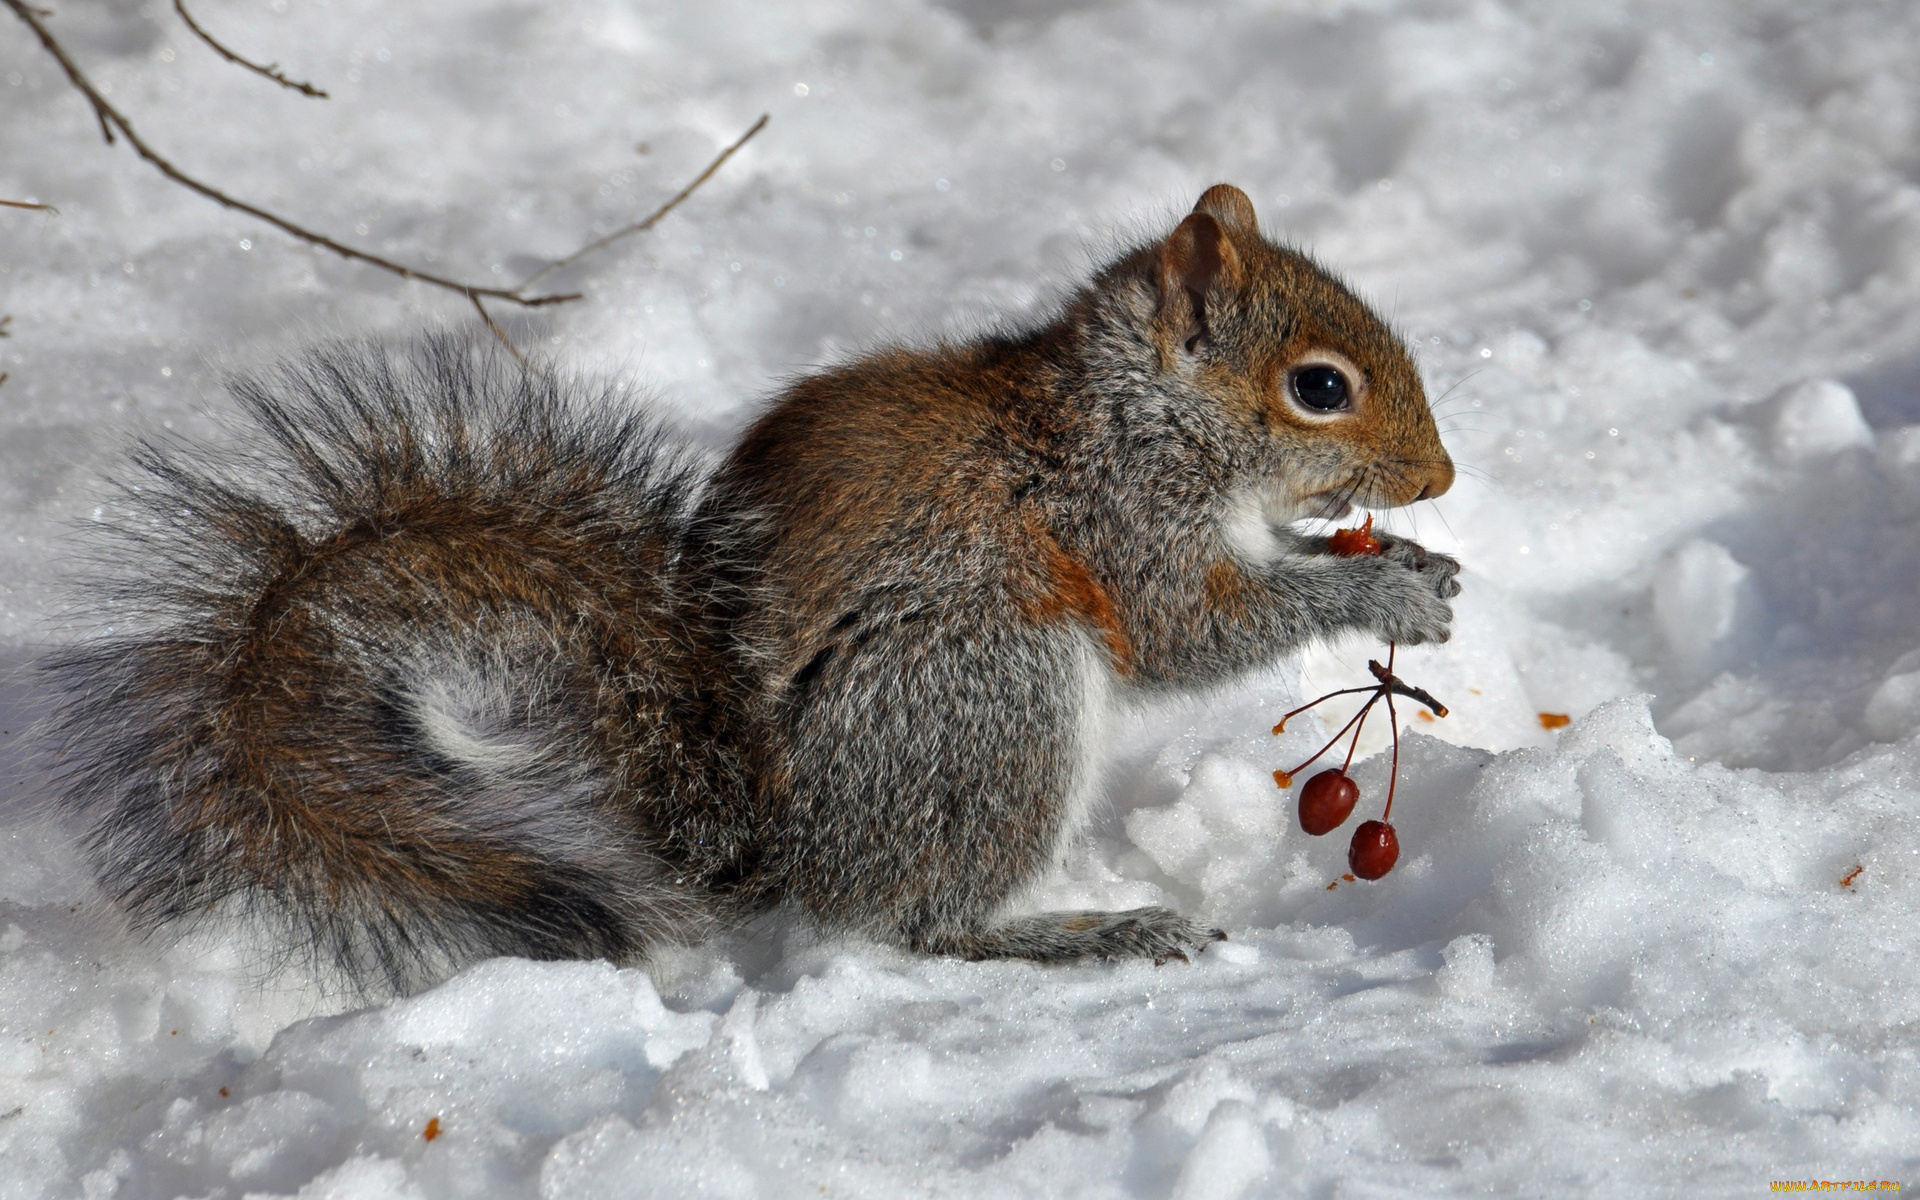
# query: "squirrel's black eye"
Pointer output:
{"type": "Point", "coordinates": [1321, 388]}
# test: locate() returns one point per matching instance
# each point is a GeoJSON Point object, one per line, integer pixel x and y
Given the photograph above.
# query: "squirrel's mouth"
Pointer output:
{"type": "Point", "coordinates": [1329, 505]}
{"type": "Point", "coordinates": [1382, 485]}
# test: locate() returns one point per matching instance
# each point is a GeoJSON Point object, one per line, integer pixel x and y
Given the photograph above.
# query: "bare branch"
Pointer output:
{"type": "Point", "coordinates": [28, 204]}
{"type": "Point", "coordinates": [652, 218]}
{"type": "Point", "coordinates": [270, 71]}
{"type": "Point", "coordinates": [111, 119]}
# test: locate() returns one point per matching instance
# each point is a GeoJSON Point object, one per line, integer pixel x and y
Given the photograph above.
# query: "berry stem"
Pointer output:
{"type": "Point", "coordinates": [1360, 723]}
{"type": "Point", "coordinates": [1282, 726]}
{"type": "Point", "coordinates": [1393, 723]}
{"type": "Point", "coordinates": [1336, 737]}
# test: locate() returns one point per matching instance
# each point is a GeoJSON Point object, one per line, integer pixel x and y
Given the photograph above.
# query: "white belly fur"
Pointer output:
{"type": "Point", "coordinates": [1094, 683]}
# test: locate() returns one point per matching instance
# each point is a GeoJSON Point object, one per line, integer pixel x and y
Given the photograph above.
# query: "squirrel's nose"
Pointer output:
{"type": "Point", "coordinates": [1434, 479]}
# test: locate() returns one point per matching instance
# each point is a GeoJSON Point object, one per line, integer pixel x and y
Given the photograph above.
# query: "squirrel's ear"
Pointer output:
{"type": "Point", "coordinates": [1229, 205]}
{"type": "Point", "coordinates": [1198, 260]}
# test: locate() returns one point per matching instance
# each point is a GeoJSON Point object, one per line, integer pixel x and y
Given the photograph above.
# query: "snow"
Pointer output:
{"type": "Point", "coordinates": [1660, 261]}
{"type": "Point", "coordinates": [1816, 417]}
{"type": "Point", "coordinates": [1698, 589]}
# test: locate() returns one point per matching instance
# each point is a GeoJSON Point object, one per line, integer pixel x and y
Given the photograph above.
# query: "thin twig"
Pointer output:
{"type": "Point", "coordinates": [28, 204]}
{"type": "Point", "coordinates": [652, 218]}
{"type": "Point", "coordinates": [498, 332]}
{"type": "Point", "coordinates": [270, 71]}
{"type": "Point", "coordinates": [111, 119]}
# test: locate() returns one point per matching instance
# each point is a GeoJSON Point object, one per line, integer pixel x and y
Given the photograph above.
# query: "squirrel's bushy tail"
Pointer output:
{"type": "Point", "coordinates": [392, 673]}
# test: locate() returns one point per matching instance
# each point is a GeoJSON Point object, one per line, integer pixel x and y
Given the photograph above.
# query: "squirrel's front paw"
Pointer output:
{"type": "Point", "coordinates": [1420, 588]}
{"type": "Point", "coordinates": [1437, 567]}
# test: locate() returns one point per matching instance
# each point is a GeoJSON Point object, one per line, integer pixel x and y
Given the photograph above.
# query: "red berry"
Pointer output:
{"type": "Point", "coordinates": [1374, 851]}
{"type": "Point", "coordinates": [1327, 800]}
{"type": "Point", "coordinates": [1348, 543]}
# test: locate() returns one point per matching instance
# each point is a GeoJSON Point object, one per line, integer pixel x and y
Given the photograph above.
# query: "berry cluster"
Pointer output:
{"type": "Point", "coordinates": [1327, 800]}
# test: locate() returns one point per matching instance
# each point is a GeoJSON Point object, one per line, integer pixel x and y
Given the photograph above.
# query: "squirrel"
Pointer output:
{"type": "Point", "coordinates": [453, 658]}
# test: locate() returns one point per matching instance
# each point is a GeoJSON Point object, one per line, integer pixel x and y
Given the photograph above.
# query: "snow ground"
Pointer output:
{"type": "Point", "coordinates": [1660, 260]}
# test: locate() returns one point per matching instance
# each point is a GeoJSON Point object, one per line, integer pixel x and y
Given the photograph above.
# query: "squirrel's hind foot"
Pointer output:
{"type": "Point", "coordinates": [1157, 933]}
